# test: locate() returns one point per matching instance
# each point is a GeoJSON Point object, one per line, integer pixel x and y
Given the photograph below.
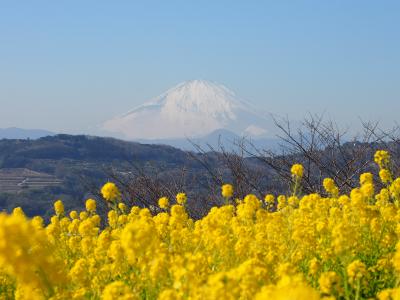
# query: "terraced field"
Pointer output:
{"type": "Point", "coordinates": [17, 179]}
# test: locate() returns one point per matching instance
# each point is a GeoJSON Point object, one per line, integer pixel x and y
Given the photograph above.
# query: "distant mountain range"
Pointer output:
{"type": "Point", "coordinates": [192, 109]}
{"type": "Point", "coordinates": [197, 112]}
{"type": "Point", "coordinates": [215, 140]}
{"type": "Point", "coordinates": [19, 133]}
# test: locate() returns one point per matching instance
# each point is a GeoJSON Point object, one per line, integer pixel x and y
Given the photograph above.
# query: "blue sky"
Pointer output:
{"type": "Point", "coordinates": [68, 65]}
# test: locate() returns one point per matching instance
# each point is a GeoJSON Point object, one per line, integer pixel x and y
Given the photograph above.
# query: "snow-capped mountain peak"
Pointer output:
{"type": "Point", "coordinates": [191, 109]}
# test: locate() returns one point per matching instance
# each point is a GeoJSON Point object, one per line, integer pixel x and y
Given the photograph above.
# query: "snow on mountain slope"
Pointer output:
{"type": "Point", "coordinates": [190, 109]}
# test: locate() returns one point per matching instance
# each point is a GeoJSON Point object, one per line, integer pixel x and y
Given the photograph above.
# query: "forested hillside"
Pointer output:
{"type": "Point", "coordinates": [34, 173]}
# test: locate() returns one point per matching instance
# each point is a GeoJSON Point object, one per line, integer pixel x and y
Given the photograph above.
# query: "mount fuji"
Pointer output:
{"type": "Point", "coordinates": [192, 109]}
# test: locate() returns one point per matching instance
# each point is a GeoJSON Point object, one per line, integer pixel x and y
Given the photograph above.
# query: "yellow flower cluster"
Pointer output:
{"type": "Point", "coordinates": [382, 158]}
{"type": "Point", "coordinates": [330, 187]}
{"type": "Point", "coordinates": [181, 198]}
{"type": "Point", "coordinates": [163, 202]}
{"type": "Point", "coordinates": [297, 170]}
{"type": "Point", "coordinates": [227, 191]}
{"type": "Point", "coordinates": [284, 247]}
{"type": "Point", "coordinates": [110, 192]}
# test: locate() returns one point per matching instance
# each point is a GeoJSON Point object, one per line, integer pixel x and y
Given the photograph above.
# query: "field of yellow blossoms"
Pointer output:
{"type": "Point", "coordinates": [286, 247]}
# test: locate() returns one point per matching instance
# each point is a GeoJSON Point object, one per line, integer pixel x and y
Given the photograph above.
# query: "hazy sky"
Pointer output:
{"type": "Point", "coordinates": [68, 65]}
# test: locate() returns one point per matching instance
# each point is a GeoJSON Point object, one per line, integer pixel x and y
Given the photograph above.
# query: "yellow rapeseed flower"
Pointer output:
{"type": "Point", "coordinates": [122, 207]}
{"type": "Point", "coordinates": [83, 215]}
{"type": "Point", "coordinates": [59, 207]}
{"type": "Point", "coordinates": [227, 191]}
{"type": "Point", "coordinates": [73, 214]}
{"type": "Point", "coordinates": [181, 198]}
{"type": "Point", "coordinates": [269, 200]}
{"type": "Point", "coordinates": [366, 178]}
{"type": "Point", "coordinates": [327, 282]}
{"type": "Point", "coordinates": [382, 158]}
{"type": "Point", "coordinates": [163, 202]}
{"type": "Point", "coordinates": [297, 170]}
{"type": "Point", "coordinates": [90, 205]}
{"type": "Point", "coordinates": [385, 176]}
{"type": "Point", "coordinates": [330, 186]}
{"type": "Point", "coordinates": [117, 290]}
{"type": "Point", "coordinates": [313, 266]}
{"type": "Point", "coordinates": [110, 192]}
{"type": "Point", "coordinates": [356, 270]}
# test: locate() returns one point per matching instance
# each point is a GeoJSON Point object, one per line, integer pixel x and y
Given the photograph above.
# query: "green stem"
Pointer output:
{"type": "Point", "coordinates": [346, 287]}
{"type": "Point", "coordinates": [358, 289]}
{"type": "Point", "coordinates": [226, 200]}
{"type": "Point", "coordinates": [296, 186]}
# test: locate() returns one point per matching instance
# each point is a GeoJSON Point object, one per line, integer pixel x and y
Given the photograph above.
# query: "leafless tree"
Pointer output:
{"type": "Point", "coordinates": [233, 167]}
{"type": "Point", "coordinates": [387, 140]}
{"type": "Point", "coordinates": [324, 150]}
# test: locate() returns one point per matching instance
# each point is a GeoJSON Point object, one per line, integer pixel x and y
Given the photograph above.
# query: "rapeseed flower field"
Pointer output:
{"type": "Point", "coordinates": [281, 247]}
